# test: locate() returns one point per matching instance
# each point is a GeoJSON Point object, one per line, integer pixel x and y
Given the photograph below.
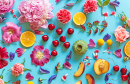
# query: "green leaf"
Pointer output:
{"type": "Point", "coordinates": [99, 3]}
{"type": "Point", "coordinates": [106, 2]}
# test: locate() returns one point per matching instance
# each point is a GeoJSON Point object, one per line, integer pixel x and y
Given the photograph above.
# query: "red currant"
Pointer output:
{"type": "Point", "coordinates": [62, 38]}
{"type": "Point", "coordinates": [45, 37]}
{"type": "Point", "coordinates": [54, 53]}
{"type": "Point", "coordinates": [70, 31]}
{"type": "Point", "coordinates": [66, 44]}
{"type": "Point", "coordinates": [51, 26]}
{"type": "Point", "coordinates": [59, 31]}
{"type": "Point", "coordinates": [55, 43]}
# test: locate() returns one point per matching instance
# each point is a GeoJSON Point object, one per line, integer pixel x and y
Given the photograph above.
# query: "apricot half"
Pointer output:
{"type": "Point", "coordinates": [80, 71]}
{"type": "Point", "coordinates": [101, 66]}
{"type": "Point", "coordinates": [90, 79]}
{"type": "Point", "coordinates": [79, 82]}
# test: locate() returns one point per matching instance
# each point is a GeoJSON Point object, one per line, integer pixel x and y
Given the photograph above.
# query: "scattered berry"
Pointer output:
{"type": "Point", "coordinates": [129, 74]}
{"type": "Point", "coordinates": [123, 71]}
{"type": "Point", "coordinates": [51, 26]}
{"type": "Point", "coordinates": [109, 42]}
{"type": "Point", "coordinates": [96, 56]}
{"type": "Point", "coordinates": [83, 59]}
{"type": "Point", "coordinates": [116, 68]}
{"type": "Point", "coordinates": [62, 38]}
{"type": "Point", "coordinates": [96, 30]}
{"type": "Point", "coordinates": [45, 37]}
{"type": "Point", "coordinates": [100, 42]}
{"type": "Point", "coordinates": [88, 64]}
{"type": "Point", "coordinates": [124, 77]}
{"type": "Point", "coordinates": [87, 57]}
{"type": "Point", "coordinates": [12, 11]}
{"type": "Point", "coordinates": [55, 43]}
{"type": "Point", "coordinates": [96, 51]}
{"type": "Point", "coordinates": [59, 31]}
{"type": "Point", "coordinates": [129, 81]}
{"type": "Point", "coordinates": [54, 53]}
{"type": "Point", "coordinates": [14, 16]}
{"type": "Point", "coordinates": [66, 44]}
{"type": "Point", "coordinates": [70, 31]}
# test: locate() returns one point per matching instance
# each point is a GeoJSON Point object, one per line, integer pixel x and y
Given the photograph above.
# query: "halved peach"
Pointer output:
{"type": "Point", "coordinates": [101, 66]}
{"type": "Point", "coordinates": [80, 71]}
{"type": "Point", "coordinates": [79, 82]}
{"type": "Point", "coordinates": [90, 79]}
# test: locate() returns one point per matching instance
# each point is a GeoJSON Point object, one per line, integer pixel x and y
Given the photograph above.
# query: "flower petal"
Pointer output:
{"type": "Point", "coordinates": [39, 48]}
{"type": "Point", "coordinates": [17, 82]}
{"type": "Point", "coordinates": [107, 77]}
{"type": "Point", "coordinates": [29, 77]}
{"type": "Point", "coordinates": [91, 43]}
{"type": "Point", "coordinates": [12, 55]}
{"type": "Point", "coordinates": [106, 37]}
{"type": "Point", "coordinates": [43, 71]}
{"type": "Point", "coordinates": [118, 53]}
{"type": "Point", "coordinates": [69, 56]}
{"type": "Point", "coordinates": [38, 32]}
{"type": "Point", "coordinates": [52, 78]}
{"type": "Point", "coordinates": [20, 51]}
{"type": "Point", "coordinates": [3, 63]}
{"type": "Point", "coordinates": [46, 53]}
{"type": "Point", "coordinates": [67, 65]}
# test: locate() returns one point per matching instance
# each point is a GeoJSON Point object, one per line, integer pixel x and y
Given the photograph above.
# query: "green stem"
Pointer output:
{"type": "Point", "coordinates": [101, 10]}
{"type": "Point", "coordinates": [93, 28]}
{"type": "Point", "coordinates": [80, 31]}
{"type": "Point", "coordinates": [23, 61]}
{"type": "Point", "coordinates": [25, 69]}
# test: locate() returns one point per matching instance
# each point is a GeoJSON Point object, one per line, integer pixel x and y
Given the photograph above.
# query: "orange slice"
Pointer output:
{"type": "Point", "coordinates": [127, 49]}
{"type": "Point", "coordinates": [79, 18]}
{"type": "Point", "coordinates": [27, 39]}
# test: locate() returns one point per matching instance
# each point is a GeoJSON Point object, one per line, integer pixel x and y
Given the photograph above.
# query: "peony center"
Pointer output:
{"type": "Point", "coordinates": [11, 31]}
{"type": "Point", "coordinates": [39, 55]}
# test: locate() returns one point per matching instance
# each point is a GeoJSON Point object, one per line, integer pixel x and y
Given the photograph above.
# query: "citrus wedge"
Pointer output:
{"type": "Point", "coordinates": [27, 39]}
{"type": "Point", "coordinates": [79, 18]}
{"type": "Point", "coordinates": [127, 49]}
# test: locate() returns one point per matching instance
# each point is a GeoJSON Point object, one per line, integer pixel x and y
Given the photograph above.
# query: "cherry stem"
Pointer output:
{"type": "Point", "coordinates": [23, 61]}
{"type": "Point", "coordinates": [112, 60]}
{"type": "Point", "coordinates": [60, 51]}
{"type": "Point", "coordinates": [117, 79]}
{"type": "Point", "coordinates": [80, 31]}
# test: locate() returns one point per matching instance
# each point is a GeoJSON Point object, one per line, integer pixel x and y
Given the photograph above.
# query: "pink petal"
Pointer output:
{"type": "Point", "coordinates": [118, 53]}
{"type": "Point", "coordinates": [20, 51]}
{"type": "Point", "coordinates": [21, 19]}
{"type": "Point", "coordinates": [57, 1]}
{"type": "Point", "coordinates": [29, 77]}
{"type": "Point", "coordinates": [67, 65]}
{"type": "Point", "coordinates": [46, 53]}
{"type": "Point", "coordinates": [91, 43]}
{"type": "Point", "coordinates": [39, 48]}
{"type": "Point", "coordinates": [45, 25]}
{"type": "Point", "coordinates": [38, 32]}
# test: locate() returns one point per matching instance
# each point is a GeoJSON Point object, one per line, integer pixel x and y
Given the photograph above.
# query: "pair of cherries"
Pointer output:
{"type": "Point", "coordinates": [62, 38]}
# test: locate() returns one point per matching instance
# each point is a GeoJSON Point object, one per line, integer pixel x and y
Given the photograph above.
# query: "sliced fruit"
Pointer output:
{"type": "Point", "coordinates": [127, 49]}
{"type": "Point", "coordinates": [90, 79]}
{"type": "Point", "coordinates": [27, 39]}
{"type": "Point", "coordinates": [101, 66]}
{"type": "Point", "coordinates": [79, 82]}
{"type": "Point", "coordinates": [79, 18]}
{"type": "Point", "coordinates": [80, 71]}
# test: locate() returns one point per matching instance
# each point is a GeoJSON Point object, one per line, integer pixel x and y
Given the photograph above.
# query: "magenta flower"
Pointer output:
{"type": "Point", "coordinates": [40, 57]}
{"type": "Point", "coordinates": [11, 32]}
{"type": "Point", "coordinates": [91, 43]}
{"type": "Point", "coordinates": [67, 65]}
{"type": "Point", "coordinates": [29, 76]}
{"type": "Point", "coordinates": [38, 32]}
{"type": "Point", "coordinates": [6, 6]}
{"type": "Point", "coordinates": [20, 51]}
{"type": "Point", "coordinates": [118, 53]}
{"type": "Point", "coordinates": [36, 12]}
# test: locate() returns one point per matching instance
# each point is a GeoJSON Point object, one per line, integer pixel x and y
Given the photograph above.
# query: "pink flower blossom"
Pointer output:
{"type": "Point", "coordinates": [17, 69]}
{"type": "Point", "coordinates": [1, 81]}
{"type": "Point", "coordinates": [38, 57]}
{"type": "Point", "coordinates": [6, 6]}
{"type": "Point", "coordinates": [128, 22]}
{"type": "Point", "coordinates": [90, 6]}
{"type": "Point", "coordinates": [64, 16]}
{"type": "Point", "coordinates": [11, 32]}
{"type": "Point", "coordinates": [36, 12]}
{"type": "Point", "coordinates": [20, 51]}
{"type": "Point", "coordinates": [121, 34]}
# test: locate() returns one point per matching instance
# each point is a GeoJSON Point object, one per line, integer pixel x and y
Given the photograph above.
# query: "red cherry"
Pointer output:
{"type": "Point", "coordinates": [129, 81]}
{"type": "Point", "coordinates": [66, 44]}
{"type": "Point", "coordinates": [70, 31]}
{"type": "Point", "coordinates": [116, 68]}
{"type": "Point", "coordinates": [51, 26]}
{"type": "Point", "coordinates": [123, 71]}
{"type": "Point", "coordinates": [59, 31]}
{"type": "Point", "coordinates": [14, 16]}
{"type": "Point", "coordinates": [55, 43]}
{"type": "Point", "coordinates": [45, 37]}
{"type": "Point", "coordinates": [62, 38]}
{"type": "Point", "coordinates": [54, 53]}
{"type": "Point", "coordinates": [129, 74]}
{"type": "Point", "coordinates": [12, 11]}
{"type": "Point", "coordinates": [124, 77]}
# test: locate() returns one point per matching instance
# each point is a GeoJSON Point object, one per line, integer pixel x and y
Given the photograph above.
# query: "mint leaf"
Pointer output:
{"type": "Point", "coordinates": [106, 2]}
{"type": "Point", "coordinates": [99, 3]}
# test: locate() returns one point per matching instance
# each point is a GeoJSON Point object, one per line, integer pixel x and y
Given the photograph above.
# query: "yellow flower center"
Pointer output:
{"type": "Point", "coordinates": [11, 31]}
{"type": "Point", "coordinates": [39, 55]}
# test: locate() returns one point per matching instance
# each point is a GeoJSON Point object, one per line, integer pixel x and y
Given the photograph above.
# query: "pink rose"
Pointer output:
{"type": "Point", "coordinates": [17, 69]}
{"type": "Point", "coordinates": [1, 81]}
{"type": "Point", "coordinates": [6, 6]}
{"type": "Point", "coordinates": [121, 34]}
{"type": "Point", "coordinates": [128, 22]}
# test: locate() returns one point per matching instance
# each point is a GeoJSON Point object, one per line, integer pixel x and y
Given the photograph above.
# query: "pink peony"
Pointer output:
{"type": "Point", "coordinates": [90, 6]}
{"type": "Point", "coordinates": [38, 57]}
{"type": "Point", "coordinates": [11, 33]}
{"type": "Point", "coordinates": [1, 81]}
{"type": "Point", "coordinates": [128, 22]}
{"type": "Point", "coordinates": [36, 12]}
{"type": "Point", "coordinates": [121, 34]}
{"type": "Point", "coordinates": [6, 6]}
{"type": "Point", "coordinates": [17, 69]}
{"type": "Point", "coordinates": [64, 16]}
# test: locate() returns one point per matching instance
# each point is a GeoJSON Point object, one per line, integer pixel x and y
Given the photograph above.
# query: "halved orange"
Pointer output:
{"type": "Point", "coordinates": [79, 18]}
{"type": "Point", "coordinates": [127, 49]}
{"type": "Point", "coordinates": [27, 38]}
